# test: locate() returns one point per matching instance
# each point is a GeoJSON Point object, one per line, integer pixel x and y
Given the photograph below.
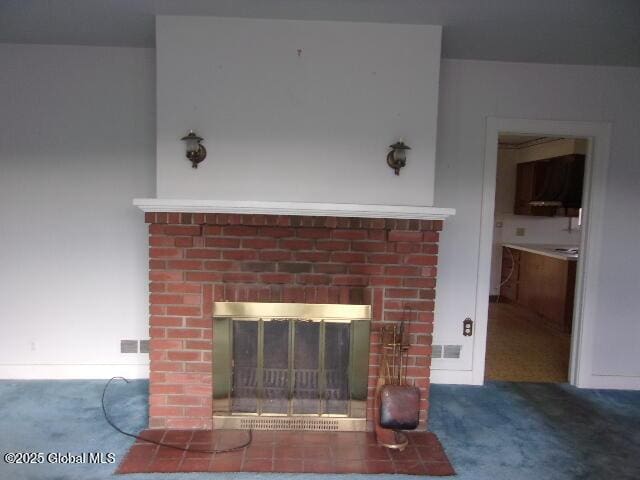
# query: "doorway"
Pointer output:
{"type": "Point", "coordinates": [585, 307]}
{"type": "Point", "coordinates": [536, 247]}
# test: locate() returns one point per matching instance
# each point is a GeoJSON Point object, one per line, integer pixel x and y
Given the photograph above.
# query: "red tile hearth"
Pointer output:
{"type": "Point", "coordinates": [285, 451]}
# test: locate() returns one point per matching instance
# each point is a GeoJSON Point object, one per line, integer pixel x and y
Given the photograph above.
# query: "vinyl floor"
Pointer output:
{"type": "Point", "coordinates": [520, 349]}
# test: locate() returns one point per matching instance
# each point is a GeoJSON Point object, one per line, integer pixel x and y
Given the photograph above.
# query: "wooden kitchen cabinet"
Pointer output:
{"type": "Point", "coordinates": [530, 178]}
{"type": "Point", "coordinates": [559, 177]}
{"type": "Point", "coordinates": [542, 284]}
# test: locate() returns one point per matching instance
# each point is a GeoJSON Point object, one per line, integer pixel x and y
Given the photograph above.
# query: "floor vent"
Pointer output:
{"type": "Point", "coordinates": [451, 351]}
{"type": "Point", "coordinates": [128, 346]}
{"type": "Point", "coordinates": [144, 346]}
{"type": "Point", "coordinates": [446, 351]}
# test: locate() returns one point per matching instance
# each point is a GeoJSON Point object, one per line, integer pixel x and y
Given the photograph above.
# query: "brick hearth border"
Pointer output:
{"type": "Point", "coordinates": [197, 259]}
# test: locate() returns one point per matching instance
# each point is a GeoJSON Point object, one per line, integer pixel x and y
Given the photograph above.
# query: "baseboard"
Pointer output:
{"type": "Point", "coordinates": [72, 371]}
{"type": "Point", "coordinates": [454, 377]}
{"type": "Point", "coordinates": [613, 382]}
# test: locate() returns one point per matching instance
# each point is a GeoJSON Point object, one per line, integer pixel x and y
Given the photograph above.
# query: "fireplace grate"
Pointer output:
{"type": "Point", "coordinates": [277, 379]}
{"type": "Point", "coordinates": [318, 424]}
{"type": "Point", "coordinates": [290, 423]}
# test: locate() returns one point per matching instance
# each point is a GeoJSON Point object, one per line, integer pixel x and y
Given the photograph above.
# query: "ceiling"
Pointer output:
{"type": "Point", "coordinates": [518, 140]}
{"type": "Point", "coordinates": [589, 32]}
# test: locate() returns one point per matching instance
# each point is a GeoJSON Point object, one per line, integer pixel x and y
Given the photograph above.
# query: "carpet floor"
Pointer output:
{"type": "Point", "coordinates": [497, 432]}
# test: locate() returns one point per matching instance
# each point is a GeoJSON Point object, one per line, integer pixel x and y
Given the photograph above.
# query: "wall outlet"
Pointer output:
{"type": "Point", "coordinates": [498, 224]}
{"type": "Point", "coordinates": [520, 232]}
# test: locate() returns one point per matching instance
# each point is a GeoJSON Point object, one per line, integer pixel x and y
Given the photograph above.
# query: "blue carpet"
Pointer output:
{"type": "Point", "coordinates": [499, 431]}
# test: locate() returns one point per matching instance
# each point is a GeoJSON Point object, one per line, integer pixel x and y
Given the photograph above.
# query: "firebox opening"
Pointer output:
{"type": "Point", "coordinates": [290, 365]}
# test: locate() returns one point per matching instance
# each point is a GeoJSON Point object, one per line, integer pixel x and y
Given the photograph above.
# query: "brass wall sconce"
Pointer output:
{"type": "Point", "coordinates": [195, 151]}
{"type": "Point", "coordinates": [397, 157]}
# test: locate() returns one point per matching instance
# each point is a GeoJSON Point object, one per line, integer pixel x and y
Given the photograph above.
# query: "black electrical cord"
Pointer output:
{"type": "Point", "coordinates": [132, 435]}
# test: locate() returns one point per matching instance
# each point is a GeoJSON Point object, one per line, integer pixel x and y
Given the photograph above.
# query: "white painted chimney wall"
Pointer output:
{"type": "Point", "coordinates": [297, 110]}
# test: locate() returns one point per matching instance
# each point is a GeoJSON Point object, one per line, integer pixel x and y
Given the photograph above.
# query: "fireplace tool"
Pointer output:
{"type": "Point", "coordinates": [397, 402]}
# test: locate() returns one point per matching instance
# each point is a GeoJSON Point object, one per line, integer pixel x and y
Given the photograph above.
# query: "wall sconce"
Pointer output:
{"type": "Point", "coordinates": [397, 157]}
{"type": "Point", "coordinates": [195, 151]}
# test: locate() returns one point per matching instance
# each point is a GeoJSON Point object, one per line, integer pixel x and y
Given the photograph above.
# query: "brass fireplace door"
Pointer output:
{"type": "Point", "coordinates": [290, 365]}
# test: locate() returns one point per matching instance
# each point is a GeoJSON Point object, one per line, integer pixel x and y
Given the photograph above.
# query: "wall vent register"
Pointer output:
{"type": "Point", "coordinates": [290, 365]}
{"type": "Point", "coordinates": [446, 351]}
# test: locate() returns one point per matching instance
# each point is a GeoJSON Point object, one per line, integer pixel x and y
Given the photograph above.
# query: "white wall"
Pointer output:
{"type": "Point", "coordinates": [77, 142]}
{"type": "Point", "coordinates": [470, 92]}
{"type": "Point", "coordinates": [506, 172]}
{"type": "Point", "coordinates": [284, 126]}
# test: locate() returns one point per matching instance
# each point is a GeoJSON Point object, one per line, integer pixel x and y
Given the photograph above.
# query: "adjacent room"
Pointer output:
{"type": "Point", "coordinates": [274, 238]}
{"type": "Point", "coordinates": [538, 220]}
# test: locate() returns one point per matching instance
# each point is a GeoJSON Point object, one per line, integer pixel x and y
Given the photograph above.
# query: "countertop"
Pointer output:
{"type": "Point", "coordinates": [548, 250]}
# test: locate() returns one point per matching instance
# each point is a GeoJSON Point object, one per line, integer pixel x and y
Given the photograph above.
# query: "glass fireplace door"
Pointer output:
{"type": "Point", "coordinates": [306, 369]}
{"type": "Point", "coordinates": [290, 367]}
{"type": "Point", "coordinates": [309, 363]}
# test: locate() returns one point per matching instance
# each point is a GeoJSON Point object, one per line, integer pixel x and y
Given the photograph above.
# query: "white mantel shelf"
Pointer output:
{"type": "Point", "coordinates": [293, 208]}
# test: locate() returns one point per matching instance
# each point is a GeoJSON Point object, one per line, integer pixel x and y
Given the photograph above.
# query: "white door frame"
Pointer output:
{"type": "Point", "coordinates": [596, 163]}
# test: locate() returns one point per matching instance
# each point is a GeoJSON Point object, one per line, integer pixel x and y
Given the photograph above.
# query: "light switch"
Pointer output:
{"type": "Point", "coordinates": [520, 232]}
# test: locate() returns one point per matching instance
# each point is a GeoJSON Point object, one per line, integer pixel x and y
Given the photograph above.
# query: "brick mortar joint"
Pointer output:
{"type": "Point", "coordinates": [293, 221]}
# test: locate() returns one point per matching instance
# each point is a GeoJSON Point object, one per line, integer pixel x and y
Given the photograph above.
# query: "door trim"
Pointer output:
{"type": "Point", "coordinates": [597, 159]}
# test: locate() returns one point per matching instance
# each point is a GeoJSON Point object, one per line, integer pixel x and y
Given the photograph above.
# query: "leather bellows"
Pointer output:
{"type": "Point", "coordinates": [399, 407]}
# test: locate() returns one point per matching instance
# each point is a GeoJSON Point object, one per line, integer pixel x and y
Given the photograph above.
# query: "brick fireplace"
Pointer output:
{"type": "Point", "coordinates": [197, 259]}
